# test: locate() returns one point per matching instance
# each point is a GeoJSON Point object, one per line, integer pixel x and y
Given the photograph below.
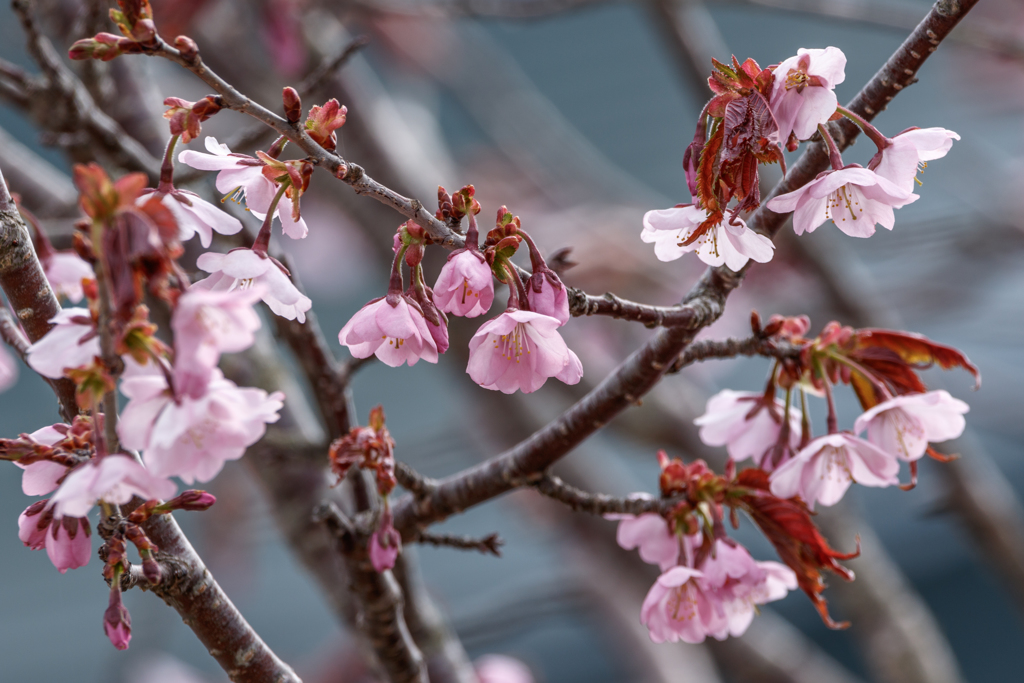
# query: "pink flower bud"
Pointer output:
{"type": "Point", "coordinates": [117, 623]}
{"type": "Point", "coordinates": [187, 47]}
{"type": "Point", "coordinates": [103, 46]}
{"type": "Point", "coordinates": [192, 499]}
{"type": "Point", "coordinates": [292, 104]}
{"type": "Point", "coordinates": [151, 569]}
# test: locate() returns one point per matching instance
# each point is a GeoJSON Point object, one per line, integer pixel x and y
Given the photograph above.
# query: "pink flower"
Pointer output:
{"type": "Point", "coordinates": [548, 296]}
{"type": "Point", "coordinates": [824, 470]}
{"type": "Point", "coordinates": [67, 541]}
{"type": "Point", "coordinates": [728, 422]}
{"type": "Point", "coordinates": [739, 584]}
{"type": "Point", "coordinates": [465, 286]}
{"type": "Point", "coordinates": [33, 524]}
{"type": "Point", "coordinates": [195, 215]}
{"type": "Point", "coordinates": [65, 271]}
{"type": "Point", "coordinates": [241, 172]}
{"type": "Point", "coordinates": [676, 608]}
{"type": "Point", "coordinates": [803, 93]}
{"type": "Point", "coordinates": [402, 326]}
{"type": "Point", "coordinates": [72, 343]}
{"type": "Point", "coordinates": [117, 623]}
{"type": "Point", "coordinates": [732, 244]}
{"type": "Point", "coordinates": [854, 198]}
{"type": "Point", "coordinates": [650, 534]}
{"type": "Point", "coordinates": [43, 476]}
{"type": "Point", "coordinates": [243, 269]}
{"type": "Point", "coordinates": [8, 370]}
{"type": "Point", "coordinates": [207, 323]}
{"type": "Point", "coordinates": [193, 437]}
{"type": "Point", "coordinates": [114, 479]}
{"type": "Point", "coordinates": [385, 544]}
{"type": "Point", "coordinates": [906, 424]}
{"type": "Point", "coordinates": [910, 151]}
{"type": "Point", "coordinates": [502, 669]}
{"type": "Point", "coordinates": [521, 350]}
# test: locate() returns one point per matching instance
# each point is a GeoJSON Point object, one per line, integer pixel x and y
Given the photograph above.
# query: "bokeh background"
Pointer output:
{"type": "Point", "coordinates": [575, 114]}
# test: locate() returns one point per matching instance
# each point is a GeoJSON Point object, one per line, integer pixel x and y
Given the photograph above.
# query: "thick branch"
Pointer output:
{"type": "Point", "coordinates": [523, 463]}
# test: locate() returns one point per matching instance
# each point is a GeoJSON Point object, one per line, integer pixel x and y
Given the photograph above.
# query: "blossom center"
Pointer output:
{"type": "Point", "coordinates": [394, 341]}
{"type": "Point", "coordinates": [682, 603]}
{"type": "Point", "coordinates": [797, 79]}
{"type": "Point", "coordinates": [842, 201]}
{"type": "Point", "coordinates": [467, 292]}
{"type": "Point", "coordinates": [837, 464]}
{"type": "Point", "coordinates": [513, 344]}
{"type": "Point", "coordinates": [706, 238]}
{"type": "Point", "coordinates": [903, 425]}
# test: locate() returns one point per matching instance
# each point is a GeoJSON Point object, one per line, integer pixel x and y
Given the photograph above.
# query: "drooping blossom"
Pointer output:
{"type": "Point", "coordinates": [243, 269]}
{"type": "Point", "coordinates": [385, 543]}
{"type": "Point", "coordinates": [238, 172]}
{"type": "Point", "coordinates": [648, 533]}
{"type": "Point", "coordinates": [853, 198]}
{"type": "Point", "coordinates": [117, 623]}
{"type": "Point", "coordinates": [520, 350]}
{"type": "Point", "coordinates": [396, 334]}
{"type": "Point", "coordinates": [502, 669]}
{"type": "Point", "coordinates": [730, 243]}
{"type": "Point", "coordinates": [905, 425]}
{"type": "Point", "coordinates": [72, 343]}
{"type": "Point", "coordinates": [910, 151]}
{"type": "Point", "coordinates": [207, 323]}
{"type": "Point", "coordinates": [65, 271]}
{"type": "Point", "coordinates": [747, 426]}
{"type": "Point", "coordinates": [803, 95]}
{"type": "Point", "coordinates": [114, 479]}
{"type": "Point", "coordinates": [67, 541]}
{"type": "Point", "coordinates": [465, 286]}
{"type": "Point", "coordinates": [194, 214]}
{"type": "Point", "coordinates": [43, 476]}
{"type": "Point", "coordinates": [825, 468]}
{"type": "Point", "coordinates": [192, 437]}
{"type": "Point", "coordinates": [548, 296]}
{"type": "Point", "coordinates": [8, 370]}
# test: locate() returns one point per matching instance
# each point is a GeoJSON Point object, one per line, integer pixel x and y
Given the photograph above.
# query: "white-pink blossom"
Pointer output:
{"type": "Point", "coordinates": [396, 334]}
{"type": "Point", "coordinates": [912, 150]}
{"type": "Point", "coordinates": [827, 466]}
{"type": "Point", "coordinates": [192, 437]}
{"type": "Point", "coordinates": [65, 271]}
{"type": "Point", "coordinates": [650, 535]}
{"type": "Point", "coordinates": [520, 350]}
{"type": "Point", "coordinates": [207, 323]}
{"type": "Point", "coordinates": [727, 421]}
{"type": "Point", "coordinates": [854, 198]}
{"type": "Point", "coordinates": [465, 286]}
{"type": "Point", "coordinates": [547, 297]}
{"type": "Point", "coordinates": [71, 343]}
{"type": "Point", "coordinates": [905, 425]}
{"type": "Point", "coordinates": [114, 479]}
{"type": "Point", "coordinates": [803, 95]}
{"type": "Point", "coordinates": [502, 669]}
{"type": "Point", "coordinates": [43, 476]}
{"type": "Point", "coordinates": [730, 242]}
{"type": "Point", "coordinates": [243, 269]}
{"type": "Point", "coordinates": [67, 540]}
{"type": "Point", "coordinates": [194, 214]}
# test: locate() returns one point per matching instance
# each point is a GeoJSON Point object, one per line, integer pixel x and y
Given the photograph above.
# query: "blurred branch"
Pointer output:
{"type": "Point", "coordinates": [77, 111]}
{"type": "Point", "coordinates": [490, 544]}
{"type": "Point", "coordinates": [44, 188]}
{"type": "Point", "coordinates": [694, 37]}
{"type": "Point", "coordinates": [523, 463]}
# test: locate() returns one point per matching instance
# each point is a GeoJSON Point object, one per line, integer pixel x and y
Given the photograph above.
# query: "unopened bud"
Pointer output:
{"type": "Point", "coordinates": [292, 104]}
{"type": "Point", "coordinates": [117, 623]}
{"type": "Point", "coordinates": [151, 568]}
{"type": "Point", "coordinates": [191, 500]}
{"type": "Point", "coordinates": [103, 46]}
{"type": "Point", "coordinates": [187, 47]}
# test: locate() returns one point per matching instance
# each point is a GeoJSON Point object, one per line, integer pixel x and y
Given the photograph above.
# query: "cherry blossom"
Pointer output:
{"type": "Point", "coordinates": [72, 343]}
{"type": "Point", "coordinates": [730, 243]}
{"type": "Point", "coordinates": [117, 623]}
{"type": "Point", "coordinates": [676, 608]}
{"type": "Point", "coordinates": [65, 271]}
{"type": "Point", "coordinates": [207, 323]}
{"type": "Point", "coordinates": [238, 172]}
{"type": "Point", "coordinates": [114, 479]}
{"type": "Point", "coordinates": [825, 468]}
{"type": "Point", "coordinates": [192, 437]}
{"type": "Point", "coordinates": [910, 151]}
{"type": "Point", "coordinates": [243, 269]}
{"type": "Point", "coordinates": [194, 214]}
{"type": "Point", "coordinates": [465, 286]}
{"type": "Point", "coordinates": [739, 583]}
{"type": "Point", "coordinates": [401, 325]}
{"type": "Point", "coordinates": [8, 370]}
{"type": "Point", "coordinates": [854, 198]}
{"type": "Point", "coordinates": [650, 534]}
{"type": "Point", "coordinates": [67, 541]}
{"type": "Point", "coordinates": [385, 544]}
{"type": "Point", "coordinates": [803, 95]}
{"type": "Point", "coordinates": [904, 425]}
{"type": "Point", "coordinates": [502, 669]}
{"type": "Point", "coordinates": [520, 350]}
{"type": "Point", "coordinates": [730, 420]}
{"type": "Point", "coordinates": [43, 476]}
{"type": "Point", "coordinates": [548, 296]}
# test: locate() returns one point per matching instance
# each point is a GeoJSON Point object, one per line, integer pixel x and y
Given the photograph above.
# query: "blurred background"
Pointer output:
{"type": "Point", "coordinates": [574, 114]}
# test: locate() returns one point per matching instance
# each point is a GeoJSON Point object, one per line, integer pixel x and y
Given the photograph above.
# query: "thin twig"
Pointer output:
{"type": "Point", "coordinates": [487, 545]}
{"type": "Point", "coordinates": [600, 503]}
{"type": "Point", "coordinates": [522, 464]}
{"type": "Point", "coordinates": [731, 348]}
{"type": "Point", "coordinates": [414, 482]}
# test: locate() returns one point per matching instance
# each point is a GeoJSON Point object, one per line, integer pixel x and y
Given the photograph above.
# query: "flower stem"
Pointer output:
{"type": "Point", "coordinates": [833, 418]}
{"type": "Point", "coordinates": [805, 420]}
{"type": "Point", "coordinates": [834, 157]}
{"type": "Point", "coordinates": [537, 262]}
{"type": "Point", "coordinates": [395, 286]}
{"type": "Point", "coordinates": [262, 243]}
{"type": "Point", "coordinates": [513, 286]}
{"type": "Point", "coordinates": [167, 167]}
{"type": "Point", "coordinates": [472, 234]}
{"type": "Point", "coordinates": [524, 303]}
{"type": "Point", "coordinates": [865, 373]}
{"type": "Point", "coordinates": [873, 133]}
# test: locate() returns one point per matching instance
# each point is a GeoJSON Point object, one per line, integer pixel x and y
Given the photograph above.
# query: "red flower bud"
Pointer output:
{"type": "Point", "coordinates": [187, 47]}
{"type": "Point", "coordinates": [292, 104]}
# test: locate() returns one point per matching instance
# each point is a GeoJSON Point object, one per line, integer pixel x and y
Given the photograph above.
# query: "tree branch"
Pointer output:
{"type": "Point", "coordinates": [600, 503]}
{"type": "Point", "coordinates": [523, 463]}
{"type": "Point", "coordinates": [490, 544]}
